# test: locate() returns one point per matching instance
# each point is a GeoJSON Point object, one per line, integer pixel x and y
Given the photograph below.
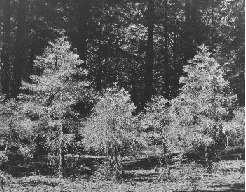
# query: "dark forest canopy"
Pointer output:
{"type": "Point", "coordinates": [142, 45]}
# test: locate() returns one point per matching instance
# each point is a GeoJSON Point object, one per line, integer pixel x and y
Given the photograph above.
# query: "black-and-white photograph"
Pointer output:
{"type": "Point", "coordinates": [122, 95]}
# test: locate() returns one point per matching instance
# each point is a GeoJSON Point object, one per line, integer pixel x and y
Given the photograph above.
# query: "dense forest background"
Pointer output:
{"type": "Point", "coordinates": [142, 45]}
{"type": "Point", "coordinates": [150, 71]}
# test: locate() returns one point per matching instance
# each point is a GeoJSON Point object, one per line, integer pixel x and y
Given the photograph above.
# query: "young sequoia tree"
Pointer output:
{"type": "Point", "coordinates": [202, 107]}
{"type": "Point", "coordinates": [112, 130]}
{"type": "Point", "coordinates": [54, 92]}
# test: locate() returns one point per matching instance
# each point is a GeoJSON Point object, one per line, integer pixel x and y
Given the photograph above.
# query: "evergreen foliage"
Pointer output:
{"type": "Point", "coordinates": [205, 98]}
{"type": "Point", "coordinates": [112, 130]}
{"type": "Point", "coordinates": [52, 95]}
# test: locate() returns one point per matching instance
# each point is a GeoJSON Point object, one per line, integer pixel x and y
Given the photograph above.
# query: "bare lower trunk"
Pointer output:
{"type": "Point", "coordinates": [114, 164]}
{"type": "Point", "coordinates": [208, 159]}
{"type": "Point", "coordinates": [60, 165]}
{"type": "Point", "coordinates": [227, 140]}
{"type": "Point", "coordinates": [118, 168]}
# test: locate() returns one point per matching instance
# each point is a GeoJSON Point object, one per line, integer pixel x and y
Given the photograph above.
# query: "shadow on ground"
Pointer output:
{"type": "Point", "coordinates": [237, 187]}
{"type": "Point", "coordinates": [150, 177]}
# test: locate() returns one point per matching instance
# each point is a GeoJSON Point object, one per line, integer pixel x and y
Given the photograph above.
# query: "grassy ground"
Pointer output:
{"type": "Point", "coordinates": [226, 176]}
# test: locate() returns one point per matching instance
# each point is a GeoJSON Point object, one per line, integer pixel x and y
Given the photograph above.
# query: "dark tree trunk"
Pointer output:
{"type": "Point", "coordinates": [192, 35]}
{"type": "Point", "coordinates": [149, 62]}
{"type": "Point", "coordinates": [177, 71]}
{"type": "Point", "coordinates": [64, 173]}
{"type": "Point", "coordinates": [175, 76]}
{"type": "Point", "coordinates": [1, 21]}
{"type": "Point", "coordinates": [99, 67]}
{"type": "Point", "coordinates": [30, 66]}
{"type": "Point", "coordinates": [99, 71]}
{"type": "Point", "coordinates": [193, 11]}
{"type": "Point", "coordinates": [187, 35]}
{"type": "Point", "coordinates": [134, 85]}
{"type": "Point", "coordinates": [5, 56]}
{"type": "Point", "coordinates": [166, 75]}
{"type": "Point", "coordinates": [187, 12]}
{"type": "Point", "coordinates": [84, 15]}
{"type": "Point", "coordinates": [197, 33]}
{"type": "Point", "coordinates": [19, 48]}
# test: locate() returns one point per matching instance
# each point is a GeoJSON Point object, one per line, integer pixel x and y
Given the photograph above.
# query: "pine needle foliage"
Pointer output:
{"type": "Point", "coordinates": [112, 130]}
{"type": "Point", "coordinates": [53, 94]}
{"type": "Point", "coordinates": [204, 101]}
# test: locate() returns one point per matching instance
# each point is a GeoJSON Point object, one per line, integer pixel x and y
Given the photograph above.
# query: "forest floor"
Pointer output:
{"type": "Point", "coordinates": [226, 176]}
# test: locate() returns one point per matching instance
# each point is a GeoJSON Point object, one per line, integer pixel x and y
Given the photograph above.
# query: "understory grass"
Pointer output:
{"type": "Point", "coordinates": [226, 176]}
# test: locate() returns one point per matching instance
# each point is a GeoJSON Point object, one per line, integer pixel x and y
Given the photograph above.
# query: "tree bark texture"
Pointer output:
{"type": "Point", "coordinates": [149, 62]}
{"type": "Point", "coordinates": [167, 75]}
{"type": "Point", "coordinates": [100, 57]}
{"type": "Point", "coordinates": [5, 56]}
{"type": "Point", "coordinates": [192, 36]}
{"type": "Point", "coordinates": [19, 48]}
{"type": "Point", "coordinates": [60, 163]}
{"type": "Point", "coordinates": [84, 15]}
